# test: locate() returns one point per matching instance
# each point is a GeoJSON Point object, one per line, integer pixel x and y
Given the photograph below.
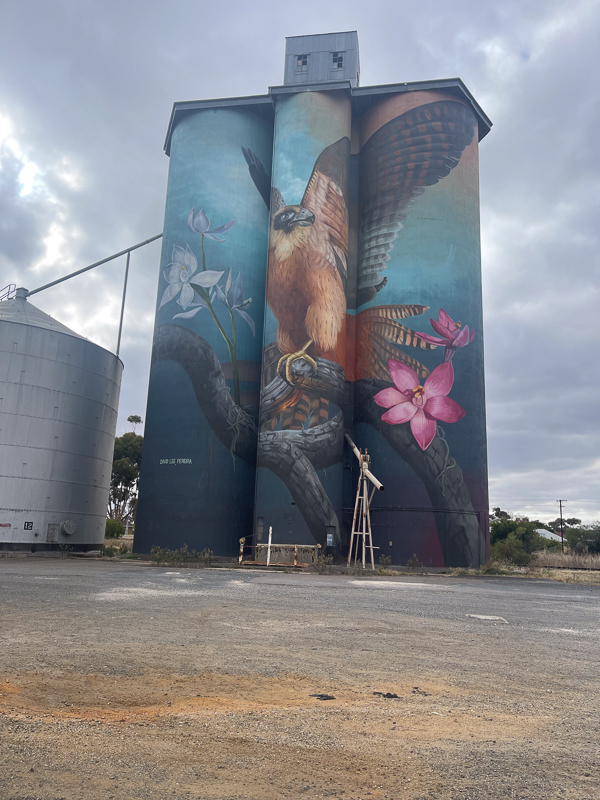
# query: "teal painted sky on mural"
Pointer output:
{"type": "Point", "coordinates": [208, 171]}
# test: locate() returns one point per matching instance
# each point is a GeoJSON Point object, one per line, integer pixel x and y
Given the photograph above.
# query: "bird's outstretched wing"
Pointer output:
{"type": "Point", "coordinates": [270, 194]}
{"type": "Point", "coordinates": [397, 163]}
{"type": "Point", "coordinates": [326, 196]}
{"type": "Point", "coordinates": [378, 334]}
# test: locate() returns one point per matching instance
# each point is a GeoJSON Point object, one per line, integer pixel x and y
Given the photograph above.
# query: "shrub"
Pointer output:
{"type": "Point", "coordinates": [548, 544]}
{"type": "Point", "coordinates": [323, 563]}
{"type": "Point", "coordinates": [384, 561]}
{"type": "Point", "coordinates": [512, 550]}
{"type": "Point", "coordinates": [109, 552]}
{"type": "Point", "coordinates": [413, 564]}
{"type": "Point", "coordinates": [114, 529]}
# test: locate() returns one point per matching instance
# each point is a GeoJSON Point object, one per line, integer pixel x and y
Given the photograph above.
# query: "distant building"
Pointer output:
{"type": "Point", "coordinates": [554, 537]}
{"type": "Point", "coordinates": [320, 274]}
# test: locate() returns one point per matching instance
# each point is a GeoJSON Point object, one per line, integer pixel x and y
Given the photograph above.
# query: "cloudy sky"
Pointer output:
{"type": "Point", "coordinates": [86, 89]}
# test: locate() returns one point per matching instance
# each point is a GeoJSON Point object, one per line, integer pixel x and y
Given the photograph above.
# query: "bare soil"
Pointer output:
{"type": "Point", "coordinates": [128, 707]}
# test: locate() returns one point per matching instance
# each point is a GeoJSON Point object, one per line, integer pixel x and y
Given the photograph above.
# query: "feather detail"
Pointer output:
{"type": "Point", "coordinates": [391, 312]}
{"type": "Point", "coordinates": [270, 194]}
{"type": "Point", "coordinates": [415, 150]}
{"type": "Point", "coordinates": [378, 336]}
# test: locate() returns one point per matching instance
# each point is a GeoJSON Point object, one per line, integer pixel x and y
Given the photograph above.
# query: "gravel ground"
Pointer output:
{"type": "Point", "coordinates": [125, 681]}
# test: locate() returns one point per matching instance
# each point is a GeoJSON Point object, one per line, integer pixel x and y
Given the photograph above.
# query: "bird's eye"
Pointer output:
{"type": "Point", "coordinates": [287, 215]}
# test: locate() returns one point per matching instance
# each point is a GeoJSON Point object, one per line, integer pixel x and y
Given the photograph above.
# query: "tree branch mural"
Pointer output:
{"type": "Point", "coordinates": [331, 359]}
{"type": "Point", "coordinates": [295, 456]}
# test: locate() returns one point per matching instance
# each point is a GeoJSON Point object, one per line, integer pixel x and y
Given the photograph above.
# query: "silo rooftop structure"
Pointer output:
{"type": "Point", "coordinates": [59, 396]}
{"type": "Point", "coordinates": [320, 276]}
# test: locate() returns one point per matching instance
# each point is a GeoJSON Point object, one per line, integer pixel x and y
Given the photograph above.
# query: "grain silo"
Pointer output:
{"type": "Point", "coordinates": [211, 295]}
{"type": "Point", "coordinates": [371, 320]}
{"type": "Point", "coordinates": [59, 395]}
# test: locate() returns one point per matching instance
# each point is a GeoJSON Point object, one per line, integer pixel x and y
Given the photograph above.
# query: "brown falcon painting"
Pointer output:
{"type": "Point", "coordinates": [308, 260]}
{"type": "Point", "coordinates": [308, 243]}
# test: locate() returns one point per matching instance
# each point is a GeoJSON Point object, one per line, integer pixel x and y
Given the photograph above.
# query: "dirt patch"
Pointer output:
{"type": "Point", "coordinates": [71, 696]}
{"type": "Point", "coordinates": [124, 682]}
{"type": "Point", "coordinates": [245, 736]}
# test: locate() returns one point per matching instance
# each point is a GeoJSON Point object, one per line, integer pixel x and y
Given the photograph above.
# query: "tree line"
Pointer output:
{"type": "Point", "coordinates": [515, 539]}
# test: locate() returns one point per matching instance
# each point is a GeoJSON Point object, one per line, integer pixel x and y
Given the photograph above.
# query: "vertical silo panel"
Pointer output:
{"type": "Point", "coordinates": [299, 484]}
{"type": "Point", "coordinates": [198, 467]}
{"type": "Point", "coordinates": [419, 288]}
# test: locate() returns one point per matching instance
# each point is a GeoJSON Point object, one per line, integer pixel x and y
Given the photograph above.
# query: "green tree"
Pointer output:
{"type": "Point", "coordinates": [514, 540]}
{"type": "Point", "coordinates": [127, 460]}
{"type": "Point", "coordinates": [511, 549]}
{"type": "Point", "coordinates": [499, 514]}
{"type": "Point", "coordinates": [134, 420]}
{"type": "Point", "coordinates": [569, 522]}
{"type": "Point", "coordinates": [114, 529]}
{"type": "Point", "coordinates": [586, 537]}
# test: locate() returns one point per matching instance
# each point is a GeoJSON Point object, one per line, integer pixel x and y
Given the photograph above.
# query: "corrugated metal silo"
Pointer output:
{"type": "Point", "coordinates": [59, 396]}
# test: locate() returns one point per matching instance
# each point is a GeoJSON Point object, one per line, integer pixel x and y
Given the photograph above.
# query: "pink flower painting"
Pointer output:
{"type": "Point", "coordinates": [419, 405]}
{"type": "Point", "coordinates": [453, 335]}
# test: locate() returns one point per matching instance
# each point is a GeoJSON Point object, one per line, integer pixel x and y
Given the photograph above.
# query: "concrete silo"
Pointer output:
{"type": "Point", "coordinates": [198, 468]}
{"type": "Point", "coordinates": [59, 395]}
{"type": "Point", "coordinates": [371, 320]}
{"type": "Point", "coordinates": [311, 128]}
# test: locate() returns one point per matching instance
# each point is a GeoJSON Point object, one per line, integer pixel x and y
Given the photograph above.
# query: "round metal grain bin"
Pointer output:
{"type": "Point", "coordinates": [59, 395]}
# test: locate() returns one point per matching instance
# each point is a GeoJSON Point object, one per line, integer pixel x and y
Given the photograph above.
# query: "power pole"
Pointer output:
{"type": "Point", "coordinates": [562, 527]}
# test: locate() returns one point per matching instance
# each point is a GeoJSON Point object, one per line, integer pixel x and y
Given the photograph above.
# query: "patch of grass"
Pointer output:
{"type": "Point", "coordinates": [566, 560]}
{"type": "Point", "coordinates": [116, 547]}
{"type": "Point", "coordinates": [567, 576]}
{"type": "Point", "coordinates": [163, 557]}
{"type": "Point", "coordinates": [492, 567]}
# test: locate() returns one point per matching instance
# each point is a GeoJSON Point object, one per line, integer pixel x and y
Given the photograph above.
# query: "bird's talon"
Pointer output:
{"type": "Point", "coordinates": [289, 359]}
{"type": "Point", "coordinates": [280, 362]}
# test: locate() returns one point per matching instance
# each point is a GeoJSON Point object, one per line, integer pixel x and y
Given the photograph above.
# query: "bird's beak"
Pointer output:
{"type": "Point", "coordinates": [304, 218]}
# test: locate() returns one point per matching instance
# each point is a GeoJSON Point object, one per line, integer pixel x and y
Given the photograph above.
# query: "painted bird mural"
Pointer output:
{"type": "Point", "coordinates": [308, 243]}
{"type": "Point", "coordinates": [308, 260]}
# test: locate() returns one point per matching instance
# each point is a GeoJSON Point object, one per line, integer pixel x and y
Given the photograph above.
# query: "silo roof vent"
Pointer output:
{"type": "Point", "coordinates": [322, 58]}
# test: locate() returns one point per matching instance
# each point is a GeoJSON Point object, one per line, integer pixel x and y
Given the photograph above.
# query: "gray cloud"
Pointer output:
{"type": "Point", "coordinates": [88, 88]}
{"type": "Point", "coordinates": [24, 218]}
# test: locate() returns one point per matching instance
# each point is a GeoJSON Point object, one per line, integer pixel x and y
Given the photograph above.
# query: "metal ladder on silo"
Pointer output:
{"type": "Point", "coordinates": [8, 292]}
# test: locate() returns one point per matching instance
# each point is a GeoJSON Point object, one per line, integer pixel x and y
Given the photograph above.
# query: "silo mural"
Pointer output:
{"type": "Point", "coordinates": [197, 479]}
{"type": "Point", "coordinates": [419, 391]}
{"type": "Point", "coordinates": [299, 493]}
{"type": "Point", "coordinates": [370, 322]}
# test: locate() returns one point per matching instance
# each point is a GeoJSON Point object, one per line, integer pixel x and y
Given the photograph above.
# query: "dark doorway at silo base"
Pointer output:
{"type": "Point", "coordinates": [438, 538]}
{"type": "Point", "coordinates": [48, 547]}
